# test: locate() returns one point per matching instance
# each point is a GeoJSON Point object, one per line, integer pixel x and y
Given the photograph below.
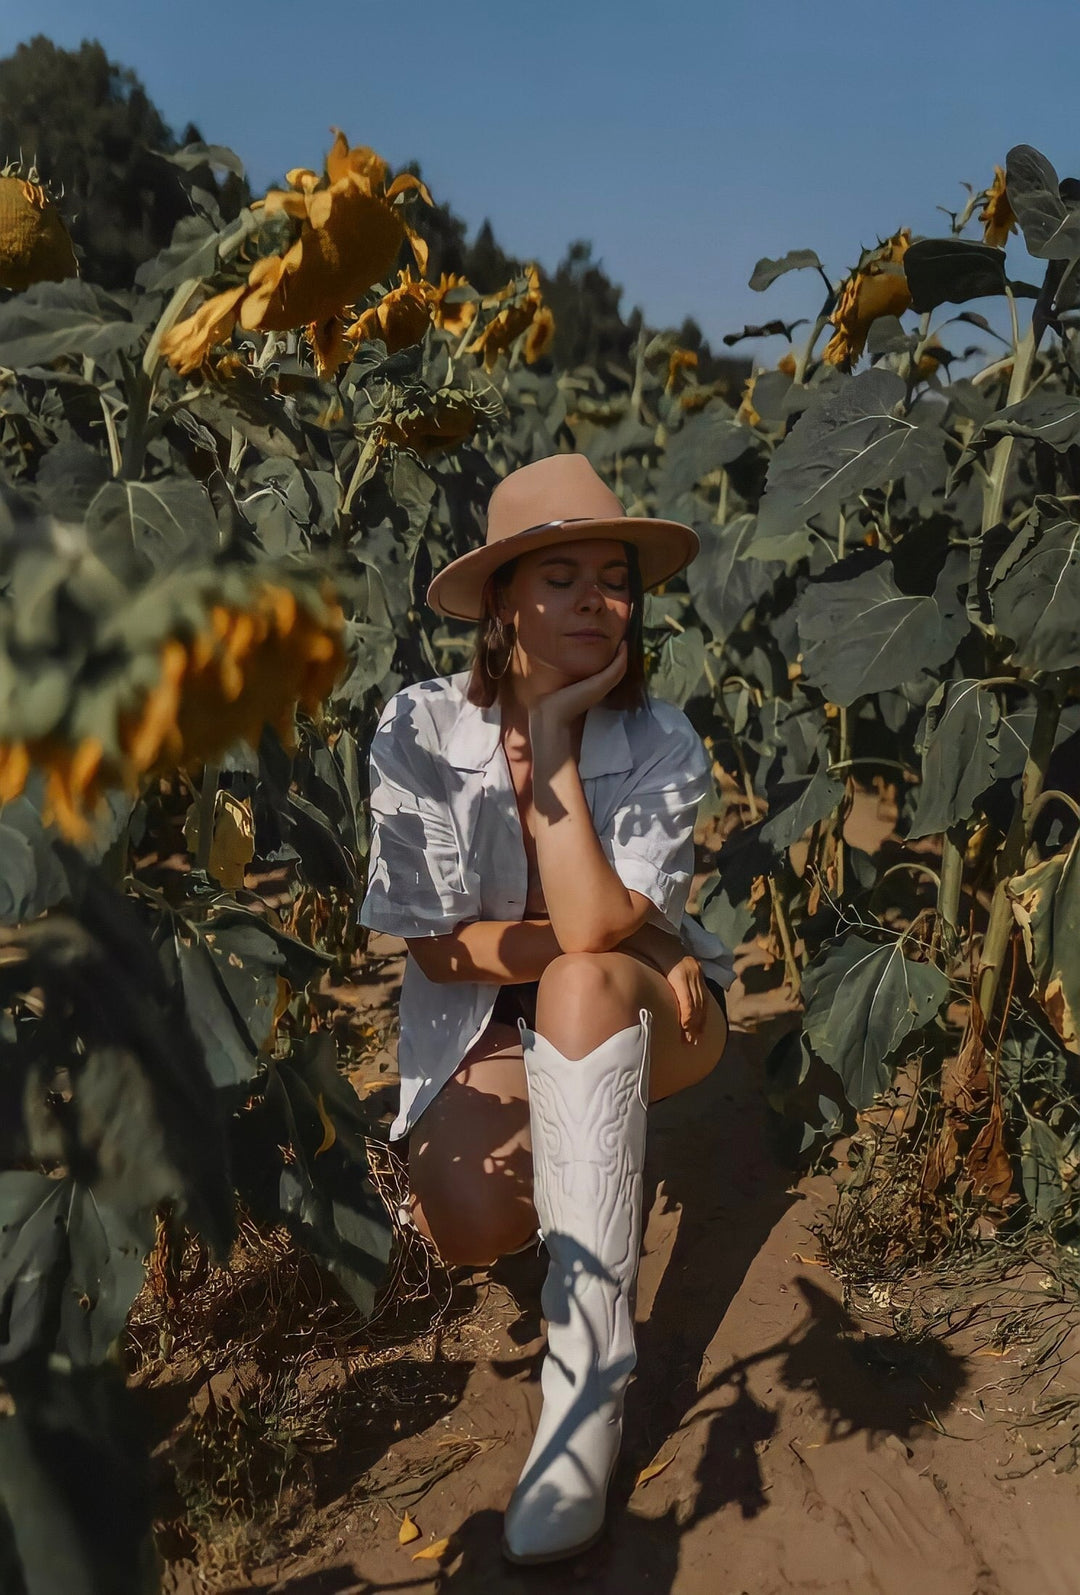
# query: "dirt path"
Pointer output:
{"type": "Point", "coordinates": [801, 1452]}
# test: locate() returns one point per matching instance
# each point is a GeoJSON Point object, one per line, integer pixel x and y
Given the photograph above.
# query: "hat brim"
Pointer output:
{"type": "Point", "coordinates": [664, 547]}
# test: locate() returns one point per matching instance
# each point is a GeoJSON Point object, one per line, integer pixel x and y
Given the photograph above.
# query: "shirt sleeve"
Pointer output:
{"type": "Point", "coordinates": [649, 841]}
{"type": "Point", "coordinates": [417, 885]}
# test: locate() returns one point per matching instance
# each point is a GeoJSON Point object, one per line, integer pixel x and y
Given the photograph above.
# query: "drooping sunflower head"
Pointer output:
{"type": "Point", "coordinates": [35, 245]}
{"type": "Point", "coordinates": [349, 228]}
{"type": "Point", "coordinates": [521, 304]}
{"type": "Point", "coordinates": [877, 287]}
{"type": "Point", "coordinates": [997, 215]}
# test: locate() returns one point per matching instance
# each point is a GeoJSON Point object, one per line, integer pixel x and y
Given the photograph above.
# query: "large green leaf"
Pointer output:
{"type": "Point", "coordinates": [325, 1193]}
{"type": "Point", "coordinates": [70, 1267]}
{"type": "Point", "coordinates": [1037, 603]}
{"type": "Point", "coordinates": [32, 878]}
{"type": "Point", "coordinates": [958, 742]}
{"type": "Point", "coordinates": [862, 999]}
{"type": "Point", "coordinates": [951, 271]}
{"type": "Point", "coordinates": [849, 438]}
{"type": "Point", "coordinates": [147, 526]}
{"type": "Point", "coordinates": [800, 806]}
{"type": "Point", "coordinates": [702, 444]}
{"type": "Point", "coordinates": [678, 673]}
{"type": "Point", "coordinates": [862, 635]}
{"type": "Point", "coordinates": [1046, 905]}
{"type": "Point", "coordinates": [56, 318]}
{"type": "Point", "coordinates": [1048, 1157]}
{"type": "Point", "coordinates": [1051, 227]}
{"type": "Point", "coordinates": [1052, 417]}
{"type": "Point", "coordinates": [727, 580]}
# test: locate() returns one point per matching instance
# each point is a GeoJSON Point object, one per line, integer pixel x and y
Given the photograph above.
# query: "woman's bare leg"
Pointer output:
{"type": "Point", "coordinates": [470, 1155]}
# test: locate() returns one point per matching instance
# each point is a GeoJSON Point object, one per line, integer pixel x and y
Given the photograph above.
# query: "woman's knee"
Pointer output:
{"type": "Point", "coordinates": [582, 998]}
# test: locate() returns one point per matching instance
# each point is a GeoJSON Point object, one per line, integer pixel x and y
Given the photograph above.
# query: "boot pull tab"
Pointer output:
{"type": "Point", "coordinates": [645, 1020]}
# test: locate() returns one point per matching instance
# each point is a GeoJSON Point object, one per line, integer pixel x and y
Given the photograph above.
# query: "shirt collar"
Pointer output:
{"type": "Point", "coordinates": [473, 740]}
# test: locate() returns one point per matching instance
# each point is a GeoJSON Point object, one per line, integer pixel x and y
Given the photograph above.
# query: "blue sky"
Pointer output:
{"type": "Point", "coordinates": [684, 138]}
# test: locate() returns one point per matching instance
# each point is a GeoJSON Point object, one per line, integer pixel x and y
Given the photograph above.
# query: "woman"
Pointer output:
{"type": "Point", "coordinates": [533, 844]}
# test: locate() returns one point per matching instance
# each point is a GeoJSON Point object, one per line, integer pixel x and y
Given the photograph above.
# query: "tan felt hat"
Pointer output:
{"type": "Point", "coordinates": [557, 500]}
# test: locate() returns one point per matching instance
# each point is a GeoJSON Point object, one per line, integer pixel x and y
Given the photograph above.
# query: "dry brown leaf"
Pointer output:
{"type": "Point", "coordinates": [433, 1553]}
{"type": "Point", "coordinates": [813, 1262]}
{"type": "Point", "coordinates": [652, 1470]}
{"type": "Point", "coordinates": [408, 1531]}
{"type": "Point", "coordinates": [329, 1132]}
{"type": "Point", "coordinates": [233, 844]}
{"type": "Point", "coordinates": [987, 1160]}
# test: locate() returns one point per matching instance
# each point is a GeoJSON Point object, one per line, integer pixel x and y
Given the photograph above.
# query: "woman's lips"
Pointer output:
{"type": "Point", "coordinates": [589, 636]}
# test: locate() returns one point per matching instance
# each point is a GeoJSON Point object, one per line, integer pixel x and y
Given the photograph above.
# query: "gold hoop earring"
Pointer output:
{"type": "Point", "coordinates": [504, 640]}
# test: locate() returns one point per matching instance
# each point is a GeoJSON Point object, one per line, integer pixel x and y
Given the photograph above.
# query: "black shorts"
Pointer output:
{"type": "Point", "coordinates": [519, 1002]}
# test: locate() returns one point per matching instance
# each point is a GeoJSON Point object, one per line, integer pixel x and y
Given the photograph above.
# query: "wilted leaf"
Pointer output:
{"type": "Point", "coordinates": [233, 845]}
{"type": "Point", "coordinates": [408, 1531]}
{"type": "Point", "coordinates": [434, 1552]}
{"type": "Point", "coordinates": [1046, 906]}
{"type": "Point", "coordinates": [329, 1131]}
{"type": "Point", "coordinates": [862, 1000]}
{"type": "Point", "coordinates": [988, 1162]}
{"type": "Point", "coordinates": [652, 1470]}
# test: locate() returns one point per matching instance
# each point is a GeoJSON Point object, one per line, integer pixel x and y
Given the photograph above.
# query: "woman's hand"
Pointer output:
{"type": "Point", "coordinates": [562, 707]}
{"type": "Point", "coordinates": [680, 969]}
{"type": "Point", "coordinates": [688, 984]}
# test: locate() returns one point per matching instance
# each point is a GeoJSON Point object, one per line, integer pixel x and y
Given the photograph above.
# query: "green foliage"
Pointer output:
{"type": "Point", "coordinates": [887, 591]}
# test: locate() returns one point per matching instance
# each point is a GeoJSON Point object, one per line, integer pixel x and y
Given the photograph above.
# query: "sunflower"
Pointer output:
{"type": "Point", "coordinates": [442, 422]}
{"type": "Point", "coordinates": [187, 346]}
{"type": "Point", "coordinates": [997, 214]}
{"type": "Point", "coordinates": [35, 246]}
{"type": "Point", "coordinates": [243, 666]}
{"type": "Point", "coordinates": [519, 311]}
{"type": "Point", "coordinates": [747, 411]}
{"type": "Point", "coordinates": [400, 318]}
{"type": "Point", "coordinates": [350, 233]}
{"type": "Point", "coordinates": [874, 289]}
{"type": "Point", "coordinates": [451, 308]}
{"type": "Point", "coordinates": [679, 360]}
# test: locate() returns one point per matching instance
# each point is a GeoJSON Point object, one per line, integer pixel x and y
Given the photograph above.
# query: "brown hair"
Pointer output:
{"type": "Point", "coordinates": [629, 693]}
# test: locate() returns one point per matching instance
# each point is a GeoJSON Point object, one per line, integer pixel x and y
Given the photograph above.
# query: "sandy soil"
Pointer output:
{"type": "Point", "coordinates": [790, 1445]}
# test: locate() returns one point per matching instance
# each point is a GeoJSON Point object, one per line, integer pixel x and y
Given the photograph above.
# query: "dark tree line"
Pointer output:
{"type": "Point", "coordinates": [91, 129]}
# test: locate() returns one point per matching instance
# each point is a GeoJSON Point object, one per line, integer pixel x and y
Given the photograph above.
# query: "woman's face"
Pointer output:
{"type": "Point", "coordinates": [570, 605]}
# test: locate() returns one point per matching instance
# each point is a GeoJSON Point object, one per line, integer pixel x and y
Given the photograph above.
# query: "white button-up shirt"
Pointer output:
{"type": "Point", "coordinates": [447, 847]}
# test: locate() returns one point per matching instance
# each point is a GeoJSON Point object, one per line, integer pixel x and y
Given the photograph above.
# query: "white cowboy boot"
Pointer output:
{"type": "Point", "coordinates": [588, 1141]}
